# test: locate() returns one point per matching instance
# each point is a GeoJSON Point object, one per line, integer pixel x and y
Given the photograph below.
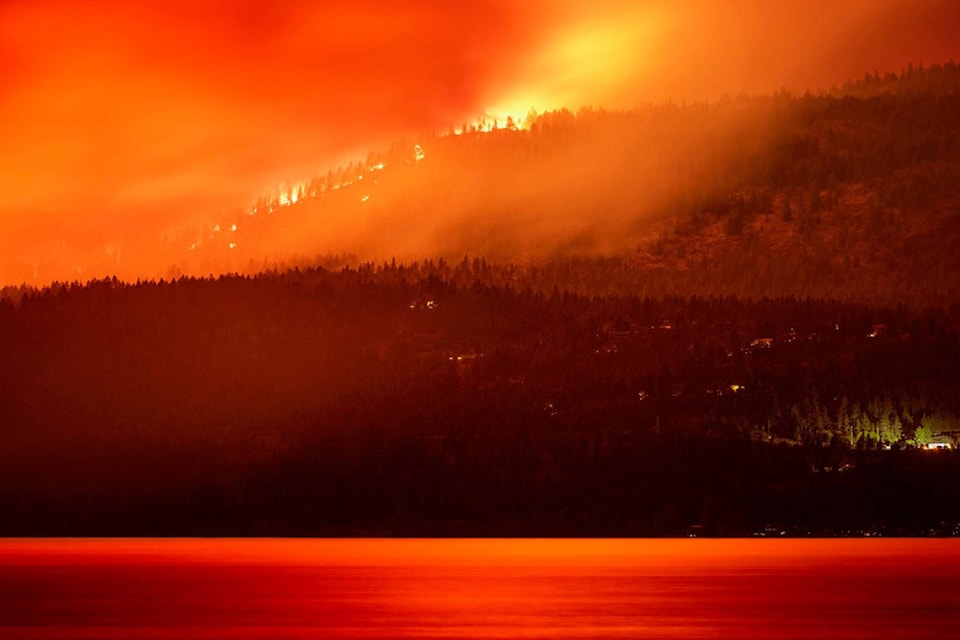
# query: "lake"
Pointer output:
{"type": "Point", "coordinates": [400, 588]}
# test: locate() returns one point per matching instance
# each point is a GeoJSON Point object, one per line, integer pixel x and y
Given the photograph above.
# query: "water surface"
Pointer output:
{"type": "Point", "coordinates": [479, 589]}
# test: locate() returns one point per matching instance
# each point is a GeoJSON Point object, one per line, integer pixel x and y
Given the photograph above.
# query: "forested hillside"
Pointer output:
{"type": "Point", "coordinates": [729, 318]}
{"type": "Point", "coordinates": [437, 398]}
{"type": "Point", "coordinates": [849, 194]}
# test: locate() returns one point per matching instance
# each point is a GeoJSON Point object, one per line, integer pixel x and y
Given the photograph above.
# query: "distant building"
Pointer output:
{"type": "Point", "coordinates": [940, 442]}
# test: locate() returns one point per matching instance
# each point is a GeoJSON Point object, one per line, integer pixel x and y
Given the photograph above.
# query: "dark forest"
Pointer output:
{"type": "Point", "coordinates": [458, 399]}
{"type": "Point", "coordinates": [754, 332]}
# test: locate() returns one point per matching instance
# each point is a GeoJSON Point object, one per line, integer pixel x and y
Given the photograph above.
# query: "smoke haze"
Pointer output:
{"type": "Point", "coordinates": [130, 119]}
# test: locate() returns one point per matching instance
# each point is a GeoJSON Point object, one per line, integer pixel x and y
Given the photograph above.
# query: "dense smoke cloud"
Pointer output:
{"type": "Point", "coordinates": [124, 118]}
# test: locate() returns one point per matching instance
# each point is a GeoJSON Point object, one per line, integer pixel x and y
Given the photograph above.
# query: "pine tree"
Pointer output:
{"type": "Point", "coordinates": [844, 423]}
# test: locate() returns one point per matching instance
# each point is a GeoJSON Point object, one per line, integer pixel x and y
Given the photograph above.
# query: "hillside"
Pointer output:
{"type": "Point", "coordinates": [733, 318]}
{"type": "Point", "coordinates": [850, 194]}
{"type": "Point", "coordinates": [439, 399]}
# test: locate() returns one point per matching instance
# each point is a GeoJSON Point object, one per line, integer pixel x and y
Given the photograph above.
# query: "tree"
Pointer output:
{"type": "Point", "coordinates": [845, 424]}
{"type": "Point", "coordinates": [888, 426]}
{"type": "Point", "coordinates": [922, 435]}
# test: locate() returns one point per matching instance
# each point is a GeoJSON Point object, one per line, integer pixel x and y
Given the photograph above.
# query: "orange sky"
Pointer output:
{"type": "Point", "coordinates": [118, 117]}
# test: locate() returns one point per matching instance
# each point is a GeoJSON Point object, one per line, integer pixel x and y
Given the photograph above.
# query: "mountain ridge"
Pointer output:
{"type": "Point", "coordinates": [846, 193]}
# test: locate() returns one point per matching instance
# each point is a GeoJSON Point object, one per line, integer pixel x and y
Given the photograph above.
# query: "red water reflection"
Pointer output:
{"type": "Point", "coordinates": [479, 588]}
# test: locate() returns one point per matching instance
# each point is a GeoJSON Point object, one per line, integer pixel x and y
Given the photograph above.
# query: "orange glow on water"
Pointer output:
{"type": "Point", "coordinates": [478, 588]}
{"type": "Point", "coordinates": [674, 553]}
